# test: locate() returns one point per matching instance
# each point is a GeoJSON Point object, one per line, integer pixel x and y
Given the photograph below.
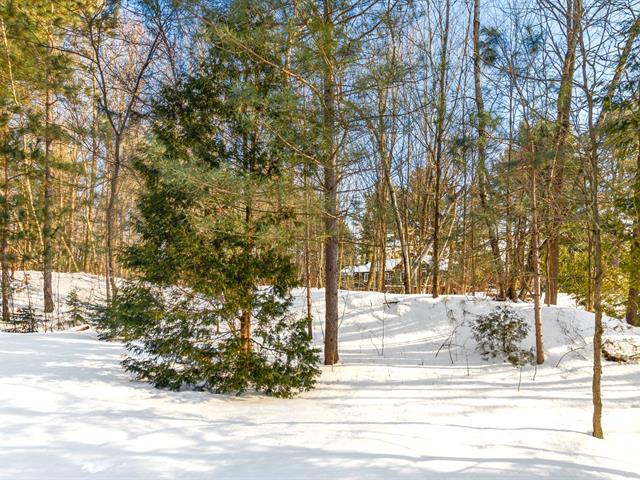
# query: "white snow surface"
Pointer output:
{"type": "Point", "coordinates": [411, 399]}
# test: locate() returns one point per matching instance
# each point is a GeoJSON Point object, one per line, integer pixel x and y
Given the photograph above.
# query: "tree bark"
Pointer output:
{"type": "Point", "coordinates": [47, 224]}
{"type": "Point", "coordinates": [573, 20]}
{"type": "Point", "coordinates": [6, 208]}
{"type": "Point", "coordinates": [110, 219]}
{"type": "Point", "coordinates": [307, 252]}
{"type": "Point", "coordinates": [331, 195]}
{"type": "Point", "coordinates": [597, 301]}
{"type": "Point", "coordinates": [382, 259]}
{"type": "Point", "coordinates": [86, 251]}
{"type": "Point", "coordinates": [633, 299]}
{"type": "Point", "coordinates": [535, 242]}
{"type": "Point", "coordinates": [482, 153]}
{"type": "Point", "coordinates": [372, 267]}
{"type": "Point", "coordinates": [4, 244]}
{"type": "Point", "coordinates": [442, 105]}
{"type": "Point", "coordinates": [245, 331]}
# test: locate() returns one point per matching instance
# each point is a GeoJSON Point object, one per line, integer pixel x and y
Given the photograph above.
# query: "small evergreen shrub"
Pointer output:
{"type": "Point", "coordinates": [131, 310]}
{"type": "Point", "coordinates": [178, 340]}
{"type": "Point", "coordinates": [26, 320]}
{"type": "Point", "coordinates": [500, 333]}
{"type": "Point", "coordinates": [75, 308]}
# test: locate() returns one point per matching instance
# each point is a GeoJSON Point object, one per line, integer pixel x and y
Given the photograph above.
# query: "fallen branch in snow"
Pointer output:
{"type": "Point", "coordinates": [449, 343]}
{"type": "Point", "coordinates": [571, 331]}
{"type": "Point", "coordinates": [567, 353]}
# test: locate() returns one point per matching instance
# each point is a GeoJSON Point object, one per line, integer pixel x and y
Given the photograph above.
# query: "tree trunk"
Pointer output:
{"type": "Point", "coordinates": [331, 198]}
{"type": "Point", "coordinates": [597, 301]}
{"type": "Point", "coordinates": [5, 285]}
{"type": "Point", "coordinates": [535, 242]}
{"type": "Point", "coordinates": [47, 224]}
{"type": "Point", "coordinates": [92, 183]}
{"type": "Point", "coordinates": [633, 300]}
{"type": "Point", "coordinates": [382, 260]}
{"type": "Point", "coordinates": [589, 302]}
{"type": "Point", "coordinates": [110, 219]}
{"type": "Point", "coordinates": [245, 331]}
{"type": "Point", "coordinates": [573, 20]}
{"type": "Point", "coordinates": [4, 244]}
{"type": "Point", "coordinates": [463, 287]}
{"type": "Point", "coordinates": [442, 105]}
{"type": "Point", "coordinates": [482, 154]}
{"type": "Point", "coordinates": [372, 268]}
{"type": "Point", "coordinates": [307, 254]}
{"type": "Point", "coordinates": [509, 254]}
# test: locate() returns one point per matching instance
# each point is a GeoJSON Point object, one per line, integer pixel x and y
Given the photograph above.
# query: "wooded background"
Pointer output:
{"type": "Point", "coordinates": [487, 146]}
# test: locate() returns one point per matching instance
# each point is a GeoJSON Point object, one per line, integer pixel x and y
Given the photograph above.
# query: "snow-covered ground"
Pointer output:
{"type": "Point", "coordinates": [410, 400]}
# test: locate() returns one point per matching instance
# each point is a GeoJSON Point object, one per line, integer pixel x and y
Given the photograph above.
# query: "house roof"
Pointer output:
{"type": "Point", "coordinates": [389, 266]}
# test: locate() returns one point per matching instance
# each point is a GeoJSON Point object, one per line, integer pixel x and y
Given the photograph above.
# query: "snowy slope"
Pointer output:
{"type": "Point", "coordinates": [392, 410]}
{"type": "Point", "coordinates": [27, 287]}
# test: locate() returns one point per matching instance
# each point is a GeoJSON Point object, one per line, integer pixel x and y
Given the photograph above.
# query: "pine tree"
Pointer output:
{"type": "Point", "coordinates": [216, 220]}
{"type": "Point", "coordinates": [31, 33]}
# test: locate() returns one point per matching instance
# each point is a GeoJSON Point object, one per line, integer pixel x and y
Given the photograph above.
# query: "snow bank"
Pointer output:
{"type": "Point", "coordinates": [417, 329]}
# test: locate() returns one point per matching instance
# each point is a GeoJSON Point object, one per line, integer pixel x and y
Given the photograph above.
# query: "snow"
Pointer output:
{"type": "Point", "coordinates": [27, 287]}
{"type": "Point", "coordinates": [410, 400]}
{"type": "Point", "coordinates": [622, 348]}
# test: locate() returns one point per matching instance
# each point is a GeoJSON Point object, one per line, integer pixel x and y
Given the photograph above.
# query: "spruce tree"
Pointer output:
{"type": "Point", "coordinates": [215, 225]}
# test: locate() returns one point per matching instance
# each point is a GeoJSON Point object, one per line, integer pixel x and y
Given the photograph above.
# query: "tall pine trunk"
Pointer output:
{"type": "Point", "coordinates": [442, 105]}
{"type": "Point", "coordinates": [331, 195]}
{"type": "Point", "coordinates": [6, 206]}
{"type": "Point", "coordinates": [307, 251]}
{"type": "Point", "coordinates": [4, 243]}
{"type": "Point", "coordinates": [47, 224]}
{"type": "Point", "coordinates": [86, 250]}
{"type": "Point", "coordinates": [482, 154]}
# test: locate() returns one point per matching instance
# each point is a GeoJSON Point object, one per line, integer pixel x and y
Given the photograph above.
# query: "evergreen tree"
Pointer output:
{"type": "Point", "coordinates": [38, 77]}
{"type": "Point", "coordinates": [216, 219]}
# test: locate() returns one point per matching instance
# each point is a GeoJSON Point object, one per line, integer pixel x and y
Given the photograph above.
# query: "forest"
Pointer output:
{"type": "Point", "coordinates": [220, 164]}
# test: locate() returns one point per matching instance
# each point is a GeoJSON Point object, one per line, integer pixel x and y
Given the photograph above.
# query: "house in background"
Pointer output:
{"type": "Point", "coordinates": [355, 277]}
